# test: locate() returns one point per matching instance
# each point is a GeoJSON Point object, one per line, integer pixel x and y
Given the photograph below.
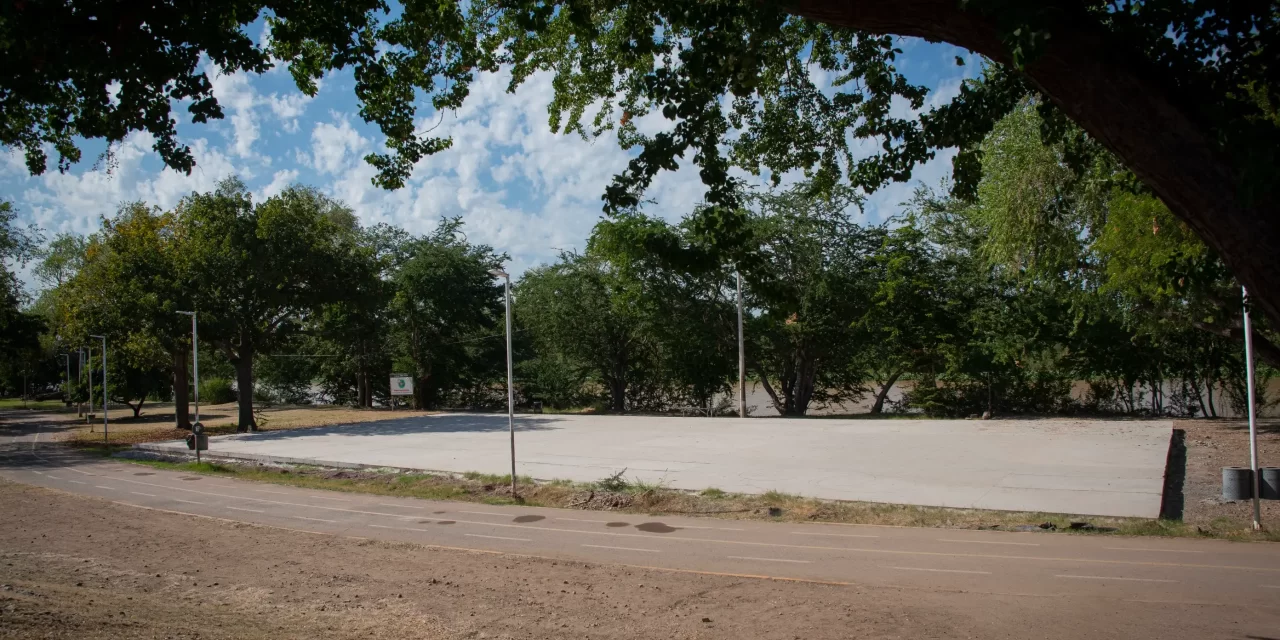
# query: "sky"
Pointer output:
{"type": "Point", "coordinates": [517, 186]}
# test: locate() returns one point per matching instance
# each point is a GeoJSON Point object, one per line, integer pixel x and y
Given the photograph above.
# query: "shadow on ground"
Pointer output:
{"type": "Point", "coordinates": [439, 423]}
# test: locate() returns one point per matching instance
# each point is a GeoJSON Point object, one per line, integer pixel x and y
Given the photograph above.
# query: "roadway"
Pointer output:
{"type": "Point", "coordinates": [1236, 577]}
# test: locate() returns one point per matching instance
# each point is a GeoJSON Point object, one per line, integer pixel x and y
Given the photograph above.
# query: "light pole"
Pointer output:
{"type": "Point", "coordinates": [195, 362]}
{"type": "Point", "coordinates": [742, 356]}
{"type": "Point", "coordinates": [511, 394]}
{"type": "Point", "coordinates": [88, 359]}
{"type": "Point", "coordinates": [105, 393]}
{"type": "Point", "coordinates": [1253, 423]}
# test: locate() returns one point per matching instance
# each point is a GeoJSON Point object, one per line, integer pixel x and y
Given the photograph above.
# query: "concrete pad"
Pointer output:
{"type": "Point", "coordinates": [1095, 467]}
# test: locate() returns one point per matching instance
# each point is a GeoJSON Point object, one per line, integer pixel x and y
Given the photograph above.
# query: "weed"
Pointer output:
{"type": "Point", "coordinates": [615, 482]}
{"type": "Point", "coordinates": [712, 492]}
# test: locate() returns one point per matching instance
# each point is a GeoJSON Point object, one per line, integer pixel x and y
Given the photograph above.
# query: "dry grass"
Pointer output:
{"type": "Point", "coordinates": [155, 422]}
{"type": "Point", "coordinates": [711, 502]}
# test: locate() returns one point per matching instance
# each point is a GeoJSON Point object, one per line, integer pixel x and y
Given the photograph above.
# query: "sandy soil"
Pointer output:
{"type": "Point", "coordinates": [87, 568]}
{"type": "Point", "coordinates": [1212, 445]}
{"type": "Point", "coordinates": [155, 421]}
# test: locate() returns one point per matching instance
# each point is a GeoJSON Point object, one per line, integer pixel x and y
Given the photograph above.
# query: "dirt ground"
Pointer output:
{"type": "Point", "coordinates": [78, 567]}
{"type": "Point", "coordinates": [1212, 445]}
{"type": "Point", "coordinates": [155, 421]}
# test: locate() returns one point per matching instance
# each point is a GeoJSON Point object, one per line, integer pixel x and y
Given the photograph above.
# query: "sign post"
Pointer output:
{"type": "Point", "coordinates": [401, 385]}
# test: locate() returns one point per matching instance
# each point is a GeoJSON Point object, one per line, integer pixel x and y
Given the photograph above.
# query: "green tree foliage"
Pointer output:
{"type": "Point", "coordinates": [446, 307]}
{"type": "Point", "coordinates": [19, 330]}
{"type": "Point", "coordinates": [259, 271]}
{"type": "Point", "coordinates": [1188, 105]}
{"type": "Point", "coordinates": [809, 286]}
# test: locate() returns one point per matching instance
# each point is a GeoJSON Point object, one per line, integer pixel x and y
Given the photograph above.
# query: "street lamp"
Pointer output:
{"type": "Point", "coordinates": [105, 393]}
{"type": "Point", "coordinates": [196, 427]}
{"type": "Point", "coordinates": [88, 367]}
{"type": "Point", "coordinates": [511, 395]}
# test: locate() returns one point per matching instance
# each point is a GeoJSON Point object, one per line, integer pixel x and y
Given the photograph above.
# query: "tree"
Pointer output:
{"type": "Point", "coordinates": [259, 271]}
{"type": "Point", "coordinates": [19, 330]}
{"type": "Point", "coordinates": [577, 310]}
{"type": "Point", "coordinates": [1183, 92]}
{"type": "Point", "coordinates": [446, 306]}
{"type": "Point", "coordinates": [1088, 227]}
{"type": "Point", "coordinates": [809, 286]}
{"type": "Point", "coordinates": [61, 259]}
{"type": "Point", "coordinates": [914, 313]}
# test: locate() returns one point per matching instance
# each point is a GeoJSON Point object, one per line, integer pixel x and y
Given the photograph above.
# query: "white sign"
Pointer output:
{"type": "Point", "coordinates": [401, 386]}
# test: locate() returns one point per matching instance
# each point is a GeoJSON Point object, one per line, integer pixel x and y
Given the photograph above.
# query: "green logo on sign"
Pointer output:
{"type": "Point", "coordinates": [400, 382]}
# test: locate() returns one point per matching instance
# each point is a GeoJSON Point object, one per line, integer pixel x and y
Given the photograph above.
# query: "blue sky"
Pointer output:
{"type": "Point", "coordinates": [517, 186]}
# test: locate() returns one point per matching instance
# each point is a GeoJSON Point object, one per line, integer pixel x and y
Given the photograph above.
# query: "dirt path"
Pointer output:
{"type": "Point", "coordinates": [88, 568]}
{"type": "Point", "coordinates": [1212, 445]}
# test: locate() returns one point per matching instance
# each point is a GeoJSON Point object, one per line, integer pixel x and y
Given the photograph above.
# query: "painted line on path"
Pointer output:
{"type": "Point", "coordinates": [984, 573]}
{"type": "Point", "coordinates": [601, 546]}
{"type": "Point", "coordinates": [476, 535]}
{"type": "Point", "coordinates": [771, 559]}
{"type": "Point", "coordinates": [1020, 544]}
{"type": "Point", "coordinates": [1112, 578]}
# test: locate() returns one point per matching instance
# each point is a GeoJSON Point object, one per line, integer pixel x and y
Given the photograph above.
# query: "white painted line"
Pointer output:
{"type": "Point", "coordinates": [476, 535]}
{"type": "Point", "coordinates": [139, 493]}
{"type": "Point", "coordinates": [601, 546]}
{"type": "Point", "coordinates": [249, 510]}
{"type": "Point", "coordinates": [379, 526]}
{"type": "Point", "coordinates": [985, 573]}
{"type": "Point", "coordinates": [1020, 544]}
{"type": "Point", "coordinates": [77, 482]}
{"type": "Point", "coordinates": [283, 493]}
{"type": "Point", "coordinates": [313, 519]}
{"type": "Point", "coordinates": [1148, 549]}
{"type": "Point", "coordinates": [572, 519]}
{"type": "Point", "coordinates": [833, 535]}
{"type": "Point", "coordinates": [98, 486]}
{"type": "Point", "coordinates": [406, 506]}
{"type": "Point", "coordinates": [1113, 578]}
{"type": "Point", "coordinates": [188, 501]}
{"type": "Point", "coordinates": [901, 552]}
{"type": "Point", "coordinates": [330, 498]}
{"type": "Point", "coordinates": [52, 477]}
{"type": "Point", "coordinates": [690, 526]}
{"type": "Point", "coordinates": [486, 513]}
{"type": "Point", "coordinates": [770, 559]}
{"type": "Point", "coordinates": [39, 473]}
{"type": "Point", "coordinates": [1270, 586]}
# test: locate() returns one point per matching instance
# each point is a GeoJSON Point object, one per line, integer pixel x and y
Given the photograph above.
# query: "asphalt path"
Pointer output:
{"type": "Point", "coordinates": [1233, 578]}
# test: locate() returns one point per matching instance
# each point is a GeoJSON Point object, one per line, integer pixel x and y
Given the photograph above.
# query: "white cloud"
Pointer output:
{"type": "Point", "coordinates": [336, 147]}
{"type": "Point", "coordinates": [279, 182]}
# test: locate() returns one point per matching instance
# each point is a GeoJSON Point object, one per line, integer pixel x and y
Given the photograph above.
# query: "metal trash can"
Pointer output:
{"type": "Point", "coordinates": [537, 406]}
{"type": "Point", "coordinates": [197, 438]}
{"type": "Point", "coordinates": [1237, 483]}
{"type": "Point", "coordinates": [1269, 483]}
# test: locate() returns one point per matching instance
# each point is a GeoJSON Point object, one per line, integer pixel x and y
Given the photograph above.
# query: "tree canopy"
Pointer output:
{"type": "Point", "coordinates": [1183, 92]}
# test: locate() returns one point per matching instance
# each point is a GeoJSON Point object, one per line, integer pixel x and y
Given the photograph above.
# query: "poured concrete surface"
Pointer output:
{"type": "Point", "coordinates": [1093, 467]}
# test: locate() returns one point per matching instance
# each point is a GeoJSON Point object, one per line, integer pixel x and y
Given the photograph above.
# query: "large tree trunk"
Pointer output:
{"type": "Point", "coordinates": [1103, 85]}
{"type": "Point", "coordinates": [244, 390]}
{"type": "Point", "coordinates": [618, 394]}
{"type": "Point", "coordinates": [181, 401]}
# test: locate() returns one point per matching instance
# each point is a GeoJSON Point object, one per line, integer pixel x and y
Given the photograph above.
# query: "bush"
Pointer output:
{"type": "Point", "coordinates": [216, 391]}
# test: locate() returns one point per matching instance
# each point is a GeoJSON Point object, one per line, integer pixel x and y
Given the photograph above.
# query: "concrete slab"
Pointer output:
{"type": "Point", "coordinates": [1094, 467]}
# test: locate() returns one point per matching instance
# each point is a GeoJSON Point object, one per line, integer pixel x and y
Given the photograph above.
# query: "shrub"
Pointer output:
{"type": "Point", "coordinates": [216, 391]}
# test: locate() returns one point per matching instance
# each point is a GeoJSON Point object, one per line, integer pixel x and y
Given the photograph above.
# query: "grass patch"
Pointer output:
{"type": "Point", "coordinates": [43, 405]}
{"type": "Point", "coordinates": [656, 500]}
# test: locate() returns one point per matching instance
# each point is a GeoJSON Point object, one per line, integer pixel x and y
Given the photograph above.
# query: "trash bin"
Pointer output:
{"type": "Point", "coordinates": [1237, 483]}
{"type": "Point", "coordinates": [1269, 483]}
{"type": "Point", "coordinates": [197, 438]}
{"type": "Point", "coordinates": [537, 406]}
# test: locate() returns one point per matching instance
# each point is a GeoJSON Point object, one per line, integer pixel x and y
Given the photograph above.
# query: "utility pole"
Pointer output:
{"type": "Point", "coordinates": [742, 356]}
{"type": "Point", "coordinates": [197, 429]}
{"type": "Point", "coordinates": [105, 394]}
{"type": "Point", "coordinates": [511, 396]}
{"type": "Point", "coordinates": [1253, 422]}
